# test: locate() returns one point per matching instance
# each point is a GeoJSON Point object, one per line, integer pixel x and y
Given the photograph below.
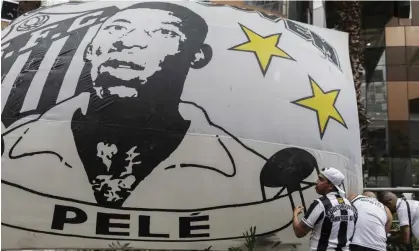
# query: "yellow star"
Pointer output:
{"type": "Point", "coordinates": [264, 48]}
{"type": "Point", "coordinates": [323, 103]}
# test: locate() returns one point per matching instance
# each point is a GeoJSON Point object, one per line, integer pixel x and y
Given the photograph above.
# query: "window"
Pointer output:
{"type": "Point", "coordinates": [415, 172]}
{"type": "Point", "coordinates": [377, 165]}
{"type": "Point", "coordinates": [376, 100]}
{"type": "Point", "coordinates": [9, 10]}
{"type": "Point", "coordinates": [401, 172]}
{"type": "Point", "coordinates": [373, 41]}
{"type": "Point", "coordinates": [378, 172]}
{"type": "Point", "coordinates": [280, 7]}
{"type": "Point", "coordinates": [413, 95]}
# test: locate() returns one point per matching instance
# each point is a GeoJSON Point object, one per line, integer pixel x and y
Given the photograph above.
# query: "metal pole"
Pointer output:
{"type": "Point", "coordinates": [392, 189]}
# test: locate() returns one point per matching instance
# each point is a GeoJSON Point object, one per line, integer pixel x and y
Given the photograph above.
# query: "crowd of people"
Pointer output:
{"type": "Point", "coordinates": [357, 222]}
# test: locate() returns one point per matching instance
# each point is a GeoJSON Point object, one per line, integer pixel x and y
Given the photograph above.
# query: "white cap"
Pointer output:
{"type": "Point", "coordinates": [335, 176]}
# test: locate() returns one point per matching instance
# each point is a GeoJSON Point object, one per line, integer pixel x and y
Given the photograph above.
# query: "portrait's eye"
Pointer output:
{"type": "Point", "coordinates": [166, 32]}
{"type": "Point", "coordinates": [115, 28]}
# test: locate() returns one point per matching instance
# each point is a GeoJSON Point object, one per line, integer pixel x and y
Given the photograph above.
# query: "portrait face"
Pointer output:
{"type": "Point", "coordinates": [133, 44]}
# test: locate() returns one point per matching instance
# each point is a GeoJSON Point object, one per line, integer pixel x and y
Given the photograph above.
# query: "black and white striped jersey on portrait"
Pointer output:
{"type": "Point", "coordinates": [333, 220]}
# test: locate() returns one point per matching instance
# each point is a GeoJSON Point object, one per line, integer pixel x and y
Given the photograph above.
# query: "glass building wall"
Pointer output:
{"type": "Point", "coordinates": [391, 94]}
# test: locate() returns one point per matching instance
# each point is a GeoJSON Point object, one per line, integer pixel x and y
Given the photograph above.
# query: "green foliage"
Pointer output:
{"type": "Point", "coordinates": [250, 238]}
{"type": "Point", "coordinates": [234, 249]}
{"type": "Point", "coordinates": [398, 247]}
{"type": "Point", "coordinates": [415, 58]}
{"type": "Point", "coordinates": [119, 246]}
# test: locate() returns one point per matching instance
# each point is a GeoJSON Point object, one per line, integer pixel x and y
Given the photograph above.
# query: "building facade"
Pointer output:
{"type": "Point", "coordinates": [390, 38]}
{"type": "Point", "coordinates": [392, 100]}
{"type": "Point", "coordinates": [11, 9]}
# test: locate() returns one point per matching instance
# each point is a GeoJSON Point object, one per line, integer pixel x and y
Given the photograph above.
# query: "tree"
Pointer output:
{"type": "Point", "coordinates": [415, 57]}
{"type": "Point", "coordinates": [350, 20]}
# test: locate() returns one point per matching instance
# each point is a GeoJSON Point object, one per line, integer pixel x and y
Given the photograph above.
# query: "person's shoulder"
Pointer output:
{"type": "Point", "coordinates": [199, 118]}
{"type": "Point", "coordinates": [401, 205]}
{"type": "Point", "coordinates": [323, 200]}
{"type": "Point", "coordinates": [414, 204]}
{"type": "Point", "coordinates": [352, 196]}
{"type": "Point", "coordinates": [317, 202]}
{"type": "Point", "coordinates": [355, 197]}
{"type": "Point", "coordinates": [388, 212]}
{"type": "Point", "coordinates": [194, 112]}
{"type": "Point", "coordinates": [80, 99]}
{"type": "Point", "coordinates": [347, 200]}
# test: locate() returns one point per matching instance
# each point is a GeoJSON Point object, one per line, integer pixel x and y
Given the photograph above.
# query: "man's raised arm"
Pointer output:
{"type": "Point", "coordinates": [303, 227]}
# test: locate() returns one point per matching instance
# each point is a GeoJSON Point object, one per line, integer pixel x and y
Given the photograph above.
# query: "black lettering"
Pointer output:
{"type": "Point", "coordinates": [144, 228]}
{"type": "Point", "coordinates": [299, 30]}
{"type": "Point", "coordinates": [272, 18]}
{"type": "Point", "coordinates": [315, 39]}
{"type": "Point", "coordinates": [185, 226]}
{"type": "Point", "coordinates": [36, 37]}
{"type": "Point", "coordinates": [104, 223]}
{"type": "Point", "coordinates": [60, 216]}
{"type": "Point", "coordinates": [325, 48]}
{"type": "Point", "coordinates": [85, 20]}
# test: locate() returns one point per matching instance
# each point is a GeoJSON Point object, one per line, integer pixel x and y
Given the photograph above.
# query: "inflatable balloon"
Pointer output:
{"type": "Point", "coordinates": [168, 125]}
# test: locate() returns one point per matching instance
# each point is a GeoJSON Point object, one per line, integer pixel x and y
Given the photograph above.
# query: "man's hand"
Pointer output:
{"type": "Point", "coordinates": [300, 228]}
{"type": "Point", "coordinates": [395, 231]}
{"type": "Point", "coordinates": [298, 210]}
{"type": "Point", "coordinates": [400, 236]}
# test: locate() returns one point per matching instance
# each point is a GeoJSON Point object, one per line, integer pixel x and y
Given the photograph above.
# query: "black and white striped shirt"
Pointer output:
{"type": "Point", "coordinates": [333, 220]}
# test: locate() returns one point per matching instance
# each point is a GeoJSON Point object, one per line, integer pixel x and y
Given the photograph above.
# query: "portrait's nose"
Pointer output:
{"type": "Point", "coordinates": [134, 38]}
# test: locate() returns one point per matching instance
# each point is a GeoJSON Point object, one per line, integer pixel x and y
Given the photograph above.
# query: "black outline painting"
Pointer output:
{"type": "Point", "coordinates": [131, 122]}
{"type": "Point", "coordinates": [123, 157]}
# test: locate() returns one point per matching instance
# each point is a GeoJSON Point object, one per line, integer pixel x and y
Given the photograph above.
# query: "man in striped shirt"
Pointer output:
{"type": "Point", "coordinates": [331, 218]}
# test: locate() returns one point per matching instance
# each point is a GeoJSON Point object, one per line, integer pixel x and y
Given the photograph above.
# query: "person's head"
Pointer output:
{"type": "Point", "coordinates": [146, 44]}
{"type": "Point", "coordinates": [330, 180]}
{"type": "Point", "coordinates": [369, 194]}
{"type": "Point", "coordinates": [389, 200]}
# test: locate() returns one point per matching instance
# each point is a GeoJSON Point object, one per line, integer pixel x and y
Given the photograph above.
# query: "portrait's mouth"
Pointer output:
{"type": "Point", "coordinates": [114, 63]}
